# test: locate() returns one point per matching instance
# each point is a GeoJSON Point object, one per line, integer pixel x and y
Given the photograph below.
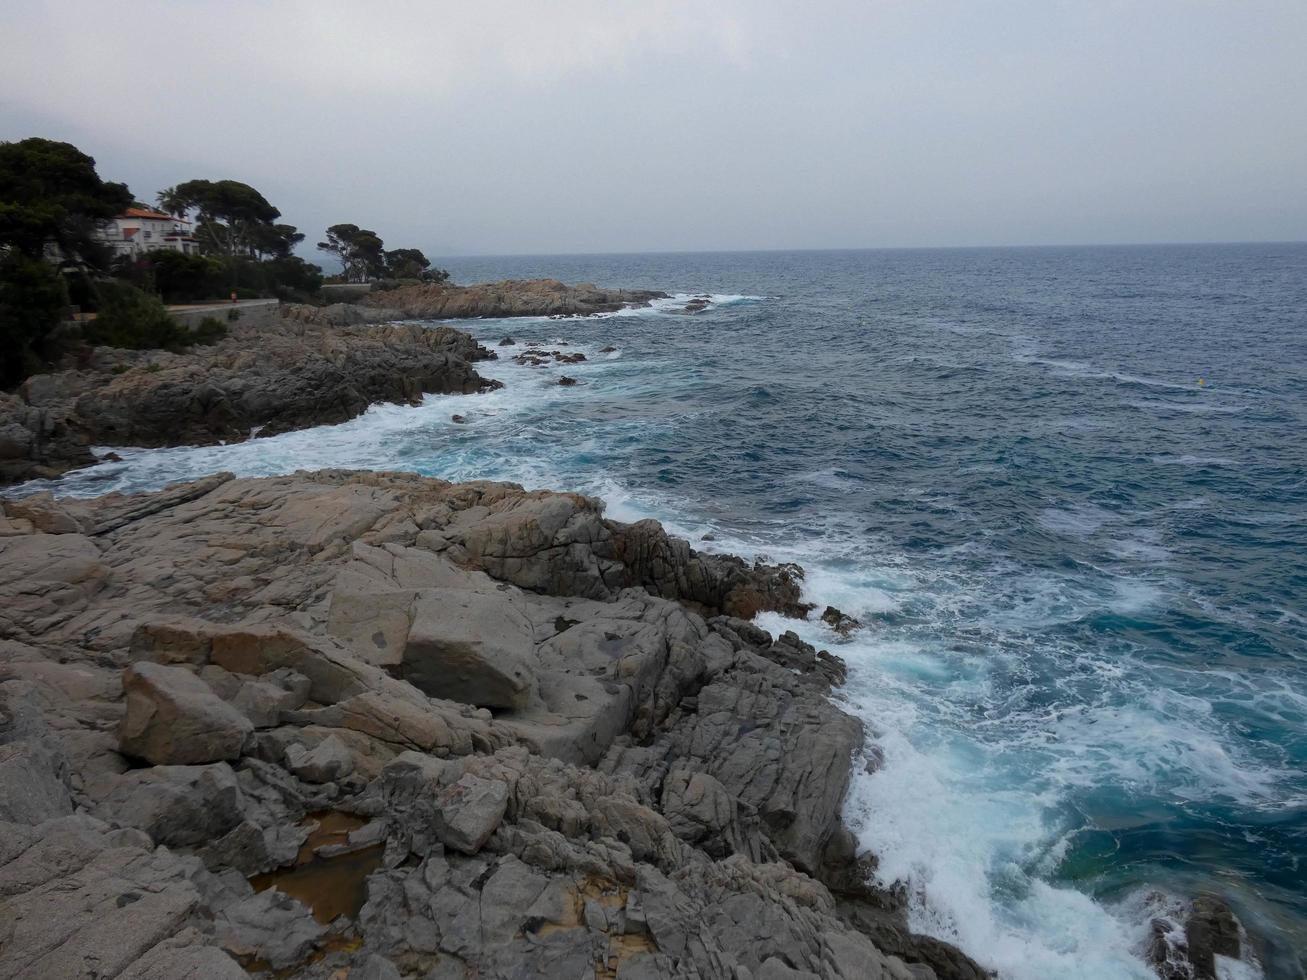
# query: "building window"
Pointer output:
{"type": "Point", "coordinates": [147, 235]}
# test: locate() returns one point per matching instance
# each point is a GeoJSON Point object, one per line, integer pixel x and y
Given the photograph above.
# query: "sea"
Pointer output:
{"type": "Point", "coordinates": [1064, 490]}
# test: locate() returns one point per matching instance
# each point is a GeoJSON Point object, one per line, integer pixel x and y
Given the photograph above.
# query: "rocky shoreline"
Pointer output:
{"type": "Point", "coordinates": [316, 365]}
{"type": "Point", "coordinates": [464, 730]}
{"type": "Point", "coordinates": [370, 725]}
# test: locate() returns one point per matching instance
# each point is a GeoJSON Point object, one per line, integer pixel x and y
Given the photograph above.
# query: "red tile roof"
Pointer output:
{"type": "Point", "coordinates": [146, 213]}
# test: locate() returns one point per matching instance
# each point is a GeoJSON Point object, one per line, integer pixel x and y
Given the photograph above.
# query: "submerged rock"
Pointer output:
{"type": "Point", "coordinates": [839, 622]}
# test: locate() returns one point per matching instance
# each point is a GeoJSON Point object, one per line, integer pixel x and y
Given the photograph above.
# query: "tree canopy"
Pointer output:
{"type": "Point", "coordinates": [50, 194]}
{"type": "Point", "coordinates": [232, 218]}
{"type": "Point", "coordinates": [406, 263]}
{"type": "Point", "coordinates": [359, 250]}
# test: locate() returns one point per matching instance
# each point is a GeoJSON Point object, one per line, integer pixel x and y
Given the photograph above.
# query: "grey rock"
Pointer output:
{"type": "Point", "coordinates": [469, 647]}
{"type": "Point", "coordinates": [184, 957]}
{"type": "Point", "coordinates": [75, 904]}
{"type": "Point", "coordinates": [1210, 931]}
{"type": "Point", "coordinates": [173, 717]}
{"type": "Point", "coordinates": [326, 762]}
{"type": "Point", "coordinates": [176, 805]}
{"type": "Point", "coordinates": [268, 926]}
{"type": "Point", "coordinates": [33, 783]}
{"type": "Point", "coordinates": [468, 811]}
{"type": "Point", "coordinates": [375, 968]}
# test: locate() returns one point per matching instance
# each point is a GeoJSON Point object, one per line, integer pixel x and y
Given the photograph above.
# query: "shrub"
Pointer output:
{"type": "Point", "coordinates": [132, 319]}
{"type": "Point", "coordinates": [182, 278]}
{"type": "Point", "coordinates": [210, 331]}
{"type": "Point", "coordinates": [32, 304]}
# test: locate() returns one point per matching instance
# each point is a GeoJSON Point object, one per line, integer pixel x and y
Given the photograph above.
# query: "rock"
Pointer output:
{"type": "Point", "coordinates": [514, 297]}
{"type": "Point", "coordinates": [468, 811]}
{"type": "Point", "coordinates": [592, 780]}
{"type": "Point", "coordinates": [460, 419]}
{"type": "Point", "coordinates": [176, 805]}
{"type": "Point", "coordinates": [170, 960]}
{"type": "Point", "coordinates": [326, 762]}
{"type": "Point", "coordinates": [263, 702]}
{"type": "Point", "coordinates": [173, 718]}
{"type": "Point", "coordinates": [1210, 931]}
{"type": "Point", "coordinates": [273, 378]}
{"type": "Point", "coordinates": [33, 783]}
{"type": "Point", "coordinates": [838, 621]}
{"type": "Point", "coordinates": [41, 511]}
{"type": "Point", "coordinates": [269, 926]}
{"type": "Point", "coordinates": [608, 350]}
{"type": "Point", "coordinates": [469, 647]}
{"type": "Point", "coordinates": [565, 381]}
{"type": "Point", "coordinates": [507, 342]}
{"type": "Point", "coordinates": [77, 900]}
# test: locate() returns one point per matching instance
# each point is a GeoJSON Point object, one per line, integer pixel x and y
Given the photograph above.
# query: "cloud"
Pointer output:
{"type": "Point", "coordinates": [578, 125]}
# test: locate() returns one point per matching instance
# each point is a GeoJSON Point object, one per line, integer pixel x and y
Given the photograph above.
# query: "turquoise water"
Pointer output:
{"type": "Point", "coordinates": [1082, 570]}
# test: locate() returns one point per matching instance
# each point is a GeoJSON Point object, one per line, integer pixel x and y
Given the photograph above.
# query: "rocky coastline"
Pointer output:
{"type": "Point", "coordinates": [372, 725]}
{"type": "Point", "coordinates": [315, 365]}
{"type": "Point", "coordinates": [375, 726]}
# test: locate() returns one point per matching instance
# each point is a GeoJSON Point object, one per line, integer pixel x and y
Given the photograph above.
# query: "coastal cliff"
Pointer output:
{"type": "Point", "coordinates": [463, 729]}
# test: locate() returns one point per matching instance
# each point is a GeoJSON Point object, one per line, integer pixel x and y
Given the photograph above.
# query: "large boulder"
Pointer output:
{"type": "Point", "coordinates": [469, 647]}
{"type": "Point", "coordinates": [176, 805]}
{"type": "Point", "coordinates": [174, 718]}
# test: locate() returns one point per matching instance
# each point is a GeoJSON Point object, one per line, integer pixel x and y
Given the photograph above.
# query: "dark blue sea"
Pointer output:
{"type": "Point", "coordinates": [1065, 490]}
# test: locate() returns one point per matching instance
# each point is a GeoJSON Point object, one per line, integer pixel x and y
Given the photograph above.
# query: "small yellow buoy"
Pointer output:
{"type": "Point", "coordinates": [1201, 382]}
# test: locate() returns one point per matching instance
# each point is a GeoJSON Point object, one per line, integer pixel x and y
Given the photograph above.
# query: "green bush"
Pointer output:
{"type": "Point", "coordinates": [132, 319]}
{"type": "Point", "coordinates": [181, 278]}
{"type": "Point", "coordinates": [210, 331]}
{"type": "Point", "coordinates": [33, 301]}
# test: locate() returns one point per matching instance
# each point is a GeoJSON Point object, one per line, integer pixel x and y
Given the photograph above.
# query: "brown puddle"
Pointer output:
{"type": "Point", "coordinates": [328, 886]}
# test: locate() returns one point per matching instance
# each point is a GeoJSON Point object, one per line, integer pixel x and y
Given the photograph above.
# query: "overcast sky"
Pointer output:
{"type": "Point", "coordinates": [571, 126]}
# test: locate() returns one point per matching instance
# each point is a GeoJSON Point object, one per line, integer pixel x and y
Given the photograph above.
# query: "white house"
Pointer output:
{"type": "Point", "coordinates": [139, 230]}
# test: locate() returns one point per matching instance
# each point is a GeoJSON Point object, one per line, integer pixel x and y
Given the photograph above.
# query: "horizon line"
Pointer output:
{"type": "Point", "coordinates": [870, 248]}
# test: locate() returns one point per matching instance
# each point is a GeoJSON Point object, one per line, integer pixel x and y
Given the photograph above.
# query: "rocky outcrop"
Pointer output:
{"type": "Point", "coordinates": [388, 726]}
{"type": "Point", "coordinates": [513, 297]}
{"type": "Point", "coordinates": [257, 381]}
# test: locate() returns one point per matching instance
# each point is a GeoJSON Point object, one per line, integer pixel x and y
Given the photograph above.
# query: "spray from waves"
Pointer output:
{"type": "Point", "coordinates": [967, 801]}
{"type": "Point", "coordinates": [677, 303]}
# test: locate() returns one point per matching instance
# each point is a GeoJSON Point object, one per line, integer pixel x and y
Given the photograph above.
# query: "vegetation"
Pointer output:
{"type": "Point", "coordinates": [52, 202]}
{"type": "Point", "coordinates": [131, 318]}
{"type": "Point", "coordinates": [52, 198]}
{"type": "Point", "coordinates": [362, 256]}
{"type": "Point", "coordinates": [32, 302]}
{"type": "Point", "coordinates": [358, 250]}
{"type": "Point", "coordinates": [231, 218]}
{"type": "Point", "coordinates": [53, 208]}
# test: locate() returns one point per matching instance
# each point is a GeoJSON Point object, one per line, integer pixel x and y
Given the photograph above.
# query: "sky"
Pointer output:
{"type": "Point", "coordinates": [502, 127]}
